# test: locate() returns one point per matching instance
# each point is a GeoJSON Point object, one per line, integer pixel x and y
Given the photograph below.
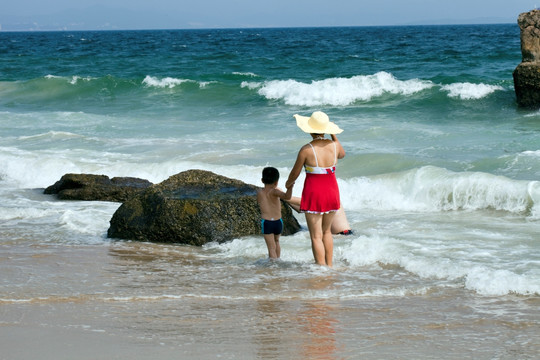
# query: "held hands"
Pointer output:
{"type": "Point", "coordinates": [288, 194]}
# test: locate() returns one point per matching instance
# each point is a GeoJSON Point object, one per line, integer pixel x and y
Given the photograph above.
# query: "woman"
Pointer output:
{"type": "Point", "coordinates": [320, 196]}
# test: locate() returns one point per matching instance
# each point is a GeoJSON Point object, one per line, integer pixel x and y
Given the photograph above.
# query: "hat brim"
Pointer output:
{"type": "Point", "coordinates": [303, 123]}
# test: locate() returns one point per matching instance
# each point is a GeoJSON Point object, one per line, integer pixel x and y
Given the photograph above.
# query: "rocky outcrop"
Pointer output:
{"type": "Point", "coordinates": [193, 207]}
{"type": "Point", "coordinates": [527, 74]}
{"type": "Point", "coordinates": [96, 187]}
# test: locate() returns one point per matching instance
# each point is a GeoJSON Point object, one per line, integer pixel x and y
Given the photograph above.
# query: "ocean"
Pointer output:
{"type": "Point", "coordinates": [440, 184]}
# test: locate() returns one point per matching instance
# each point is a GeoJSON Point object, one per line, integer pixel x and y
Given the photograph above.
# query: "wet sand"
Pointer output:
{"type": "Point", "coordinates": [139, 301]}
{"type": "Point", "coordinates": [426, 327]}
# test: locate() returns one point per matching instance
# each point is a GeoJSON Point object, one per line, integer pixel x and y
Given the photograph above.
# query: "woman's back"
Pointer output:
{"type": "Point", "coordinates": [321, 153]}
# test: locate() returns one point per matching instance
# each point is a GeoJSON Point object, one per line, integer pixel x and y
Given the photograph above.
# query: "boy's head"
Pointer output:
{"type": "Point", "coordinates": [270, 175]}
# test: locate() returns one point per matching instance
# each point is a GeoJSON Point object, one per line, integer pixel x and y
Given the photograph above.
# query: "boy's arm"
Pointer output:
{"type": "Point", "coordinates": [288, 194]}
{"type": "Point", "coordinates": [294, 202]}
{"type": "Point", "coordinates": [283, 195]}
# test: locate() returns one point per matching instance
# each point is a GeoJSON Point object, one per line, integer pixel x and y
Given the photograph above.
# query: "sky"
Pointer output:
{"type": "Point", "coordinates": [187, 14]}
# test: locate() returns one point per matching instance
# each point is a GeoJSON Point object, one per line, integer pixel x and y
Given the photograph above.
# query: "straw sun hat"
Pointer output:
{"type": "Point", "coordinates": [317, 123]}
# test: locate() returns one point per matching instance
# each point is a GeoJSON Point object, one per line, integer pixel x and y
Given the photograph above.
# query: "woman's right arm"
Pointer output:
{"type": "Point", "coordinates": [339, 148]}
{"type": "Point", "coordinates": [297, 168]}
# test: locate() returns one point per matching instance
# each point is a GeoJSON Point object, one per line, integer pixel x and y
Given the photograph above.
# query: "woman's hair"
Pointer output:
{"type": "Point", "coordinates": [270, 175]}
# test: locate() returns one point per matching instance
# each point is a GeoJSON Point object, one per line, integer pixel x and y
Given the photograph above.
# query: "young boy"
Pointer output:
{"type": "Point", "coordinates": [268, 199]}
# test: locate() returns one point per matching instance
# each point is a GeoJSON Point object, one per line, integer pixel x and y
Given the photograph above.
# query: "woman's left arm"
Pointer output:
{"type": "Point", "coordinates": [339, 148]}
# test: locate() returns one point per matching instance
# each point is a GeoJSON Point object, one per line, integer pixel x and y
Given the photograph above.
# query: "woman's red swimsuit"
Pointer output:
{"type": "Point", "coordinates": [321, 192]}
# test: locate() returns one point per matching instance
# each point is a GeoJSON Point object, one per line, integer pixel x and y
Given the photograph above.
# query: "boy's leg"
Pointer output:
{"type": "Point", "coordinates": [278, 247]}
{"type": "Point", "coordinates": [271, 245]}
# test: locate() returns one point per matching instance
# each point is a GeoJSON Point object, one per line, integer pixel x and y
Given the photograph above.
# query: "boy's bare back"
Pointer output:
{"type": "Point", "coordinates": [268, 198]}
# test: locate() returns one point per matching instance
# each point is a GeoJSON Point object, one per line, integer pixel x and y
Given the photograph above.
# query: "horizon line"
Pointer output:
{"type": "Point", "coordinates": [258, 27]}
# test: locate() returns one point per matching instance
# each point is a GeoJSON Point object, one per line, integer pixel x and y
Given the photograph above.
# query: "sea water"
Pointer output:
{"type": "Point", "coordinates": [440, 185]}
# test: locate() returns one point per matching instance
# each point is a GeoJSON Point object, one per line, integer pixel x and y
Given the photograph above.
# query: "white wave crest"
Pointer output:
{"type": "Point", "coordinates": [76, 79]}
{"type": "Point", "coordinates": [533, 190]}
{"type": "Point", "coordinates": [251, 85]}
{"type": "Point", "coordinates": [531, 153]}
{"type": "Point", "coordinates": [167, 82]}
{"type": "Point", "coordinates": [72, 80]}
{"type": "Point", "coordinates": [53, 135]}
{"type": "Point", "coordinates": [338, 91]}
{"type": "Point", "coordinates": [248, 74]}
{"type": "Point", "coordinates": [533, 114]}
{"type": "Point", "coordinates": [468, 91]}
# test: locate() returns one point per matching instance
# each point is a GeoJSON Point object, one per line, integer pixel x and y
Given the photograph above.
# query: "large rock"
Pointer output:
{"type": "Point", "coordinates": [527, 74]}
{"type": "Point", "coordinates": [96, 187]}
{"type": "Point", "coordinates": [194, 207]}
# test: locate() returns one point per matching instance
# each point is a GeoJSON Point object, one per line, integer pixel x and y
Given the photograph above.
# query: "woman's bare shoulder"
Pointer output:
{"type": "Point", "coordinates": [304, 148]}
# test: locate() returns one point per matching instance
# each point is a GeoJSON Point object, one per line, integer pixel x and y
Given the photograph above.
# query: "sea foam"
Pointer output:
{"type": "Point", "coordinates": [433, 264]}
{"type": "Point", "coordinates": [487, 281]}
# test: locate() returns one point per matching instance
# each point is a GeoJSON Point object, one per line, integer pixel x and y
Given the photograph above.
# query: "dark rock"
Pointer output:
{"type": "Point", "coordinates": [96, 187]}
{"type": "Point", "coordinates": [194, 207]}
{"type": "Point", "coordinates": [527, 74]}
{"type": "Point", "coordinates": [527, 84]}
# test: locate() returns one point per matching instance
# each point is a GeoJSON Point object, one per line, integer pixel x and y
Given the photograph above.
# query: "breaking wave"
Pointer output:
{"type": "Point", "coordinates": [338, 91]}
{"type": "Point", "coordinates": [347, 91]}
{"type": "Point", "coordinates": [433, 189]}
{"type": "Point", "coordinates": [468, 91]}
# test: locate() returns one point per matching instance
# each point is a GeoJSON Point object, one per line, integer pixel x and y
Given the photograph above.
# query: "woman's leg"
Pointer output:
{"type": "Point", "coordinates": [327, 239]}
{"type": "Point", "coordinates": [314, 223]}
{"type": "Point", "coordinates": [321, 237]}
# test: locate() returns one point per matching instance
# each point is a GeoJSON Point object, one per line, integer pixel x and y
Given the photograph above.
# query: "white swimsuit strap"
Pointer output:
{"type": "Point", "coordinates": [314, 153]}
{"type": "Point", "coordinates": [335, 153]}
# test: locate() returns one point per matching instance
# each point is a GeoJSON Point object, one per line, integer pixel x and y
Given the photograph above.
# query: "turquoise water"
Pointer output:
{"type": "Point", "coordinates": [440, 180]}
